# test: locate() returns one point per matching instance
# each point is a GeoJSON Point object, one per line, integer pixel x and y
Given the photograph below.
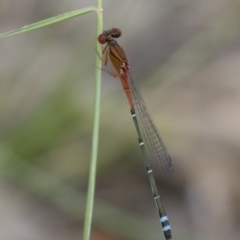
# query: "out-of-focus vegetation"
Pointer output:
{"type": "Point", "coordinates": [184, 56]}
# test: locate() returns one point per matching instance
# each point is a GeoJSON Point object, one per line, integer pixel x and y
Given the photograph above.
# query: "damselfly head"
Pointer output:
{"type": "Point", "coordinates": [107, 35]}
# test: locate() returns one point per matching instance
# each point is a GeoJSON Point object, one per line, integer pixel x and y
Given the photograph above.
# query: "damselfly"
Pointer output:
{"type": "Point", "coordinates": [145, 127]}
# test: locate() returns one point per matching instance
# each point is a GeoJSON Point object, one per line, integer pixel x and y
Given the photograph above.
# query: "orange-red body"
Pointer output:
{"type": "Point", "coordinates": [118, 59]}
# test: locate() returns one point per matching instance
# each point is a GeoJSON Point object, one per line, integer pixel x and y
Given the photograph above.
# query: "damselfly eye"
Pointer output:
{"type": "Point", "coordinates": [116, 33]}
{"type": "Point", "coordinates": [102, 39]}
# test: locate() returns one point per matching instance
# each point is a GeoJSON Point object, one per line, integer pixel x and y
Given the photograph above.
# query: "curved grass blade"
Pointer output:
{"type": "Point", "coordinates": [49, 21]}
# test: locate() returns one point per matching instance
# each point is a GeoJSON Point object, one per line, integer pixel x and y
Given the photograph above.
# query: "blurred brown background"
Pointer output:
{"type": "Point", "coordinates": [184, 57]}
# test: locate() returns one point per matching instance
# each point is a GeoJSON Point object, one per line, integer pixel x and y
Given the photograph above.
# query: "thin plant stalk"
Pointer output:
{"type": "Point", "coordinates": [93, 160]}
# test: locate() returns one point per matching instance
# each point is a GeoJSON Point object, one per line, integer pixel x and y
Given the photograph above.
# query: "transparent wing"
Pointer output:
{"type": "Point", "coordinates": [149, 130]}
